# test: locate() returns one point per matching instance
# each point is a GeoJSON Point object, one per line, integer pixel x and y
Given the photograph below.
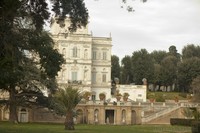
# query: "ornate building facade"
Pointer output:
{"type": "Point", "coordinates": [88, 59]}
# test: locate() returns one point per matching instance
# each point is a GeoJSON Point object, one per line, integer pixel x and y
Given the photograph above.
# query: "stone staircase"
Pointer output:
{"type": "Point", "coordinates": [151, 118]}
{"type": "Point", "coordinates": [162, 114]}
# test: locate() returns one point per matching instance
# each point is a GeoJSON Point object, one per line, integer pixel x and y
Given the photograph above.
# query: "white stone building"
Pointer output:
{"type": "Point", "coordinates": [88, 59]}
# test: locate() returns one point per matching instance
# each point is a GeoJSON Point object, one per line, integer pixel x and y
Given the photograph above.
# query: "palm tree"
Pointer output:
{"type": "Point", "coordinates": [65, 101]}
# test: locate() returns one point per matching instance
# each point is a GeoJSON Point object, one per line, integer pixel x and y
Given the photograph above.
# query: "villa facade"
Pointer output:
{"type": "Point", "coordinates": [88, 67]}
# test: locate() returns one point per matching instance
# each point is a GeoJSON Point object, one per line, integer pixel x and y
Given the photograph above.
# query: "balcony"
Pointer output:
{"type": "Point", "coordinates": [75, 82]}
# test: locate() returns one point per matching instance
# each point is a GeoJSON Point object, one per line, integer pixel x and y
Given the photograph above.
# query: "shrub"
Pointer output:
{"type": "Point", "coordinates": [195, 126]}
{"type": "Point", "coordinates": [86, 95]}
{"type": "Point", "coordinates": [188, 113]}
{"type": "Point", "coordinates": [151, 95]}
{"type": "Point", "coordinates": [102, 96]}
{"type": "Point", "coordinates": [181, 122]}
{"type": "Point", "coordinates": [160, 99]}
{"type": "Point", "coordinates": [184, 95]}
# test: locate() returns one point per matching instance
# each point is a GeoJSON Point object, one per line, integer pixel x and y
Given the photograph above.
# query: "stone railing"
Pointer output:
{"type": "Point", "coordinates": [146, 119]}
{"type": "Point", "coordinates": [78, 82]}
{"type": "Point", "coordinates": [144, 105]}
{"type": "Point", "coordinates": [168, 107]}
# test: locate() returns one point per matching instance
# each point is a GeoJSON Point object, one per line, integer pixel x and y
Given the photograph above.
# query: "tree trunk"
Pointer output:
{"type": "Point", "coordinates": [69, 123]}
{"type": "Point", "coordinates": [12, 106]}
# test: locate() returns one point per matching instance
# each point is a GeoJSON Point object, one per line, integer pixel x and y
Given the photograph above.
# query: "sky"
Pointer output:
{"type": "Point", "coordinates": [154, 25]}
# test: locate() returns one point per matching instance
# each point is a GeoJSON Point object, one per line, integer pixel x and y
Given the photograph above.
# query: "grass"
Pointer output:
{"type": "Point", "coordinates": [169, 95]}
{"type": "Point", "coordinates": [6, 127]}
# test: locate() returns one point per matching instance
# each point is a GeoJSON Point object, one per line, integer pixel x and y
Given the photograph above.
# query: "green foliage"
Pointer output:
{"type": "Point", "coordinates": [158, 56]}
{"type": "Point", "coordinates": [196, 113]}
{"type": "Point", "coordinates": [195, 85]}
{"type": "Point", "coordinates": [28, 60]}
{"type": "Point", "coordinates": [165, 95]}
{"type": "Point", "coordinates": [168, 70]}
{"type": "Point", "coordinates": [195, 126]}
{"type": "Point", "coordinates": [115, 69]}
{"type": "Point", "coordinates": [81, 128]}
{"type": "Point", "coordinates": [188, 69]}
{"type": "Point", "coordinates": [126, 94]}
{"type": "Point", "coordinates": [190, 51]}
{"type": "Point", "coordinates": [182, 94]}
{"type": "Point", "coordinates": [65, 100]}
{"type": "Point", "coordinates": [188, 113]}
{"type": "Point", "coordinates": [181, 122]}
{"type": "Point", "coordinates": [160, 98]}
{"type": "Point", "coordinates": [102, 96]}
{"type": "Point", "coordinates": [126, 72]}
{"type": "Point", "coordinates": [142, 66]}
{"type": "Point", "coordinates": [151, 95]}
{"type": "Point", "coordinates": [173, 52]}
{"type": "Point", "coordinates": [86, 95]}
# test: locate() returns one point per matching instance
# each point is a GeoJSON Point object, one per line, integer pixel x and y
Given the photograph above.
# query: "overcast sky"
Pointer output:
{"type": "Point", "coordinates": [154, 25]}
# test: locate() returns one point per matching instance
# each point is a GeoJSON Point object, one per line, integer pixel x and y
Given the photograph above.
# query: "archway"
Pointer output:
{"type": "Point", "coordinates": [23, 115]}
{"type": "Point", "coordinates": [96, 116]}
{"type": "Point", "coordinates": [80, 118]}
{"type": "Point", "coordinates": [109, 117]}
{"type": "Point", "coordinates": [123, 116]}
{"type": "Point", "coordinates": [133, 117]}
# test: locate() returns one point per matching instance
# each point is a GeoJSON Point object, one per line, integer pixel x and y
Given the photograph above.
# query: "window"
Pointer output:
{"type": "Point", "coordinates": [85, 54]}
{"type": "Point", "coordinates": [104, 78]}
{"type": "Point", "coordinates": [75, 52]}
{"type": "Point", "coordinates": [93, 97]}
{"type": "Point", "coordinates": [74, 76]}
{"type": "Point", "coordinates": [139, 95]}
{"type": "Point", "coordinates": [63, 75]}
{"type": "Point", "coordinates": [94, 55]}
{"type": "Point", "coordinates": [64, 52]}
{"type": "Point", "coordinates": [94, 77]}
{"type": "Point", "coordinates": [104, 55]}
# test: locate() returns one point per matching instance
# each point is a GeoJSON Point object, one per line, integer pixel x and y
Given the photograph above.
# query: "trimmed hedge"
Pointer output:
{"type": "Point", "coordinates": [181, 122]}
{"type": "Point", "coordinates": [187, 122]}
{"type": "Point", "coordinates": [195, 126]}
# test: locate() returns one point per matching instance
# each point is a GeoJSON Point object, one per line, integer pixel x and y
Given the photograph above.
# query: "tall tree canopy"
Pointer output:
{"type": "Point", "coordinates": [188, 69]}
{"type": "Point", "coordinates": [158, 56]}
{"type": "Point", "coordinates": [168, 70]}
{"type": "Point", "coordinates": [142, 66]}
{"type": "Point", "coordinates": [115, 70]}
{"type": "Point", "coordinates": [195, 86]}
{"type": "Point", "coordinates": [190, 51]}
{"type": "Point", "coordinates": [28, 61]}
{"type": "Point", "coordinates": [126, 75]}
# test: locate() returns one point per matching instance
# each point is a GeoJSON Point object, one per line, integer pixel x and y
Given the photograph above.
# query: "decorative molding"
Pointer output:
{"type": "Point", "coordinates": [86, 46]}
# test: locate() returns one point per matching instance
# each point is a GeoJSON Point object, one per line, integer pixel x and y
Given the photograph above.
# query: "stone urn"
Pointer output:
{"type": "Point", "coordinates": [102, 96]}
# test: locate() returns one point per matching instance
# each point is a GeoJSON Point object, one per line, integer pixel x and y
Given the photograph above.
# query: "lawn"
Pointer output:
{"type": "Point", "coordinates": [169, 95]}
{"type": "Point", "coordinates": [6, 127]}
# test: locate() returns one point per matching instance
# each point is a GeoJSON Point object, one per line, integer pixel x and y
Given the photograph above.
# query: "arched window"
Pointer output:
{"type": "Point", "coordinates": [80, 117]}
{"type": "Point", "coordinates": [123, 116]}
{"type": "Point", "coordinates": [75, 51]}
{"type": "Point", "coordinates": [96, 115]}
